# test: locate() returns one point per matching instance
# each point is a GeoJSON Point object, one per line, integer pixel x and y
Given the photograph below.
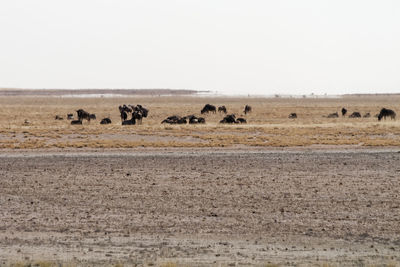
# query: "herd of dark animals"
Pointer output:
{"type": "Point", "coordinates": [138, 112]}
{"type": "Point", "coordinates": [382, 114]}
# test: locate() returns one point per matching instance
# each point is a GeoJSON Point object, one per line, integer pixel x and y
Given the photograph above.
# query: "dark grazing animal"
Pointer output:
{"type": "Point", "coordinates": [355, 115]}
{"type": "Point", "coordinates": [292, 116]}
{"type": "Point", "coordinates": [344, 111]}
{"type": "Point", "coordinates": [241, 120]}
{"type": "Point", "coordinates": [222, 109]}
{"type": "Point", "coordinates": [208, 108]}
{"type": "Point", "coordinates": [76, 122]}
{"type": "Point", "coordinates": [83, 115]}
{"type": "Point", "coordinates": [229, 119]}
{"type": "Point", "coordinates": [333, 115]}
{"type": "Point", "coordinates": [105, 121]}
{"type": "Point", "coordinates": [387, 113]}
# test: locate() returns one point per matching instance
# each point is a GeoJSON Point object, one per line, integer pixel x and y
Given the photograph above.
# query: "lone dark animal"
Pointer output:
{"type": "Point", "coordinates": [292, 116]}
{"type": "Point", "coordinates": [222, 109]}
{"type": "Point", "coordinates": [344, 111]}
{"type": "Point", "coordinates": [386, 113]}
{"type": "Point", "coordinates": [247, 109]}
{"type": "Point", "coordinates": [76, 122]}
{"type": "Point", "coordinates": [105, 121]}
{"type": "Point", "coordinates": [355, 115]}
{"type": "Point", "coordinates": [333, 115]}
{"type": "Point", "coordinates": [241, 120]}
{"type": "Point", "coordinates": [208, 108]}
{"type": "Point", "coordinates": [83, 115]}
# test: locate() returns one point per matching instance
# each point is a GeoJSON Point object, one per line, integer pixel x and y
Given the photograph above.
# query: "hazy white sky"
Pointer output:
{"type": "Point", "coordinates": [230, 46]}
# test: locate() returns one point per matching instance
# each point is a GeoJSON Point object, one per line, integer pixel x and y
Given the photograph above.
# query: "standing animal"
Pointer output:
{"type": "Point", "coordinates": [138, 116]}
{"type": "Point", "coordinates": [222, 109]}
{"type": "Point", "coordinates": [208, 108]}
{"type": "Point", "coordinates": [83, 115]}
{"type": "Point", "coordinates": [124, 115]}
{"type": "Point", "coordinates": [386, 113]}
{"type": "Point", "coordinates": [344, 111]}
{"type": "Point", "coordinates": [144, 111]}
{"type": "Point", "coordinates": [247, 109]}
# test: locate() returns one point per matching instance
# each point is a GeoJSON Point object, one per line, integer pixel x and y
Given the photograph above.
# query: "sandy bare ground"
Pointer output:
{"type": "Point", "coordinates": [201, 207]}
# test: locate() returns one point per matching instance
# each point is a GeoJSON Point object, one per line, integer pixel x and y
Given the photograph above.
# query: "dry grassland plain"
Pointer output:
{"type": "Point", "coordinates": [268, 125]}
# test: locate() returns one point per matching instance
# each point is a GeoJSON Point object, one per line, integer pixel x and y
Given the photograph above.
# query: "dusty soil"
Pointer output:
{"type": "Point", "coordinates": [201, 207]}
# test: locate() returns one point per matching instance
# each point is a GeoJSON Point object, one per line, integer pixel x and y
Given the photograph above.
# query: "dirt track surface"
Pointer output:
{"type": "Point", "coordinates": [203, 207]}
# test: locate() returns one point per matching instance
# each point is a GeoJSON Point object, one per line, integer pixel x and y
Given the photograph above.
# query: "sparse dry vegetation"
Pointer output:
{"type": "Point", "coordinates": [268, 124]}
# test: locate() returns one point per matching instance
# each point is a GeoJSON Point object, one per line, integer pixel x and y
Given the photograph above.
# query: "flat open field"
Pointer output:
{"type": "Point", "coordinates": [28, 122]}
{"type": "Point", "coordinates": [200, 207]}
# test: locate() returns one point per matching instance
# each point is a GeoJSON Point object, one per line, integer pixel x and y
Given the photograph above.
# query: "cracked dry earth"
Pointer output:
{"type": "Point", "coordinates": [201, 208]}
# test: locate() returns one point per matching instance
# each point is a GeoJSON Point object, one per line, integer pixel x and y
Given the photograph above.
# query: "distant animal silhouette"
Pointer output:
{"type": "Point", "coordinates": [355, 115]}
{"type": "Point", "coordinates": [387, 113]}
{"type": "Point", "coordinates": [83, 115]}
{"type": "Point", "coordinates": [76, 122]}
{"type": "Point", "coordinates": [247, 109]}
{"type": "Point", "coordinates": [208, 108]}
{"type": "Point", "coordinates": [105, 121]}
{"type": "Point", "coordinates": [222, 109]}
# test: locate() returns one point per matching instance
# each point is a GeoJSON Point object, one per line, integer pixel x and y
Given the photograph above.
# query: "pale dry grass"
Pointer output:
{"type": "Point", "coordinates": [268, 124]}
